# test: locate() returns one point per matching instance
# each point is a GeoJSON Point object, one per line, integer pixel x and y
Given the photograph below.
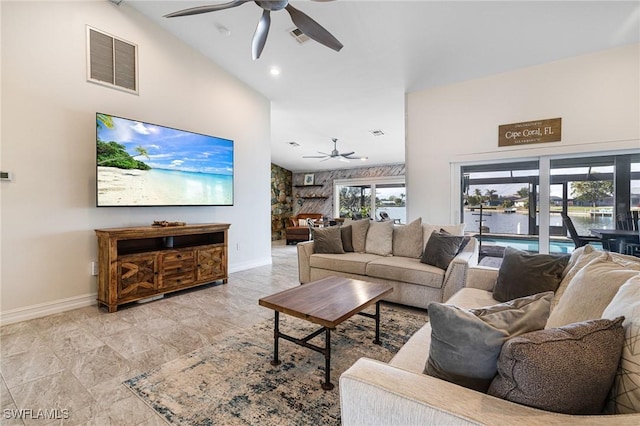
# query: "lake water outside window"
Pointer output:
{"type": "Point", "coordinates": [592, 190]}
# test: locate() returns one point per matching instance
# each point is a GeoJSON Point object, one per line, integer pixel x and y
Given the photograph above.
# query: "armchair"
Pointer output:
{"type": "Point", "coordinates": [297, 231]}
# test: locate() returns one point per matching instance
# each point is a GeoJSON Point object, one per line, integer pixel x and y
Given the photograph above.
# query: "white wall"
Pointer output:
{"type": "Point", "coordinates": [597, 96]}
{"type": "Point", "coordinates": [48, 142]}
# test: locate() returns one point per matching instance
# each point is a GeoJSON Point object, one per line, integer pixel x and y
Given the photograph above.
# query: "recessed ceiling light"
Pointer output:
{"type": "Point", "coordinates": [274, 71]}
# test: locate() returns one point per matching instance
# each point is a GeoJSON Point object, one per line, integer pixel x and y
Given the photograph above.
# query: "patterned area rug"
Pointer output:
{"type": "Point", "coordinates": [231, 382]}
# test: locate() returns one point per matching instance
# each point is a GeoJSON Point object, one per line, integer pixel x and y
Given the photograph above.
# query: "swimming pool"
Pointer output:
{"type": "Point", "coordinates": [530, 243]}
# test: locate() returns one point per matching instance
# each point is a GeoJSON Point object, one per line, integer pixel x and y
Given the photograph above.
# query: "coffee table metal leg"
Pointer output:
{"type": "Point", "coordinates": [377, 318]}
{"type": "Point", "coordinates": [327, 385]}
{"type": "Point", "coordinates": [276, 335]}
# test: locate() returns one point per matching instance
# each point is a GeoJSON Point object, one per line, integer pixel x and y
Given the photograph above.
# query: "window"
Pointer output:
{"type": "Point", "coordinates": [592, 190]}
{"type": "Point", "coordinates": [111, 61]}
{"type": "Point", "coordinates": [360, 198]}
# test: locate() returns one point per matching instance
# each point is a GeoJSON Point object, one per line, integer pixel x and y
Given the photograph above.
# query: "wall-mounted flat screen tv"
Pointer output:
{"type": "Point", "coordinates": [144, 164]}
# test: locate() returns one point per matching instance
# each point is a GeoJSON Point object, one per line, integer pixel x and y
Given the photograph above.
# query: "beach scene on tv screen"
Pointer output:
{"type": "Point", "coordinates": [142, 164]}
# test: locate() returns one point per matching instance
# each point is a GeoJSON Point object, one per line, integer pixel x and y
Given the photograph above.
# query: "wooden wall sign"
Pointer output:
{"type": "Point", "coordinates": [529, 132]}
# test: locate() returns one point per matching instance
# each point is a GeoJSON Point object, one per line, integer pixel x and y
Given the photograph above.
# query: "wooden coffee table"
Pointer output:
{"type": "Point", "coordinates": [327, 302]}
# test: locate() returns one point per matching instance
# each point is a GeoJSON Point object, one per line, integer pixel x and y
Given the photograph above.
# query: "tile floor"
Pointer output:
{"type": "Point", "coordinates": [77, 360]}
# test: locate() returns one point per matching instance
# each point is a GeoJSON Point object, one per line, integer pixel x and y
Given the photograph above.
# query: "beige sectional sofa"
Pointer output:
{"type": "Point", "coordinates": [594, 284]}
{"type": "Point", "coordinates": [414, 283]}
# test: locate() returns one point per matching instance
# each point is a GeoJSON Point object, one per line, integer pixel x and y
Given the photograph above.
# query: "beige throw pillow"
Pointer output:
{"type": "Point", "coordinates": [579, 258]}
{"type": "Point", "coordinates": [407, 239]}
{"type": "Point", "coordinates": [380, 238]}
{"type": "Point", "coordinates": [427, 229]}
{"type": "Point", "coordinates": [359, 230]}
{"type": "Point", "coordinates": [625, 392]}
{"type": "Point", "coordinates": [592, 289]}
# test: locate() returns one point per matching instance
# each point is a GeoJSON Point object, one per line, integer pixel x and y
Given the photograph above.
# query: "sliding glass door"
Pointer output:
{"type": "Point", "coordinates": [369, 197]}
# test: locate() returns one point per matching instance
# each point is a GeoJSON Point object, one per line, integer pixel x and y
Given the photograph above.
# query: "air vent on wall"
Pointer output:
{"type": "Point", "coordinates": [299, 36]}
{"type": "Point", "coordinates": [111, 61]}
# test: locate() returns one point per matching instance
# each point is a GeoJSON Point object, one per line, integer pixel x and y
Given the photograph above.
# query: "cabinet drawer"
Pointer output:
{"type": "Point", "coordinates": [178, 279]}
{"type": "Point", "coordinates": [177, 256]}
{"type": "Point", "coordinates": [180, 267]}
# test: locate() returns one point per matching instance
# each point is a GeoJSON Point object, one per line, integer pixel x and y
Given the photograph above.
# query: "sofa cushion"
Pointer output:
{"type": "Point", "coordinates": [566, 370]}
{"type": "Point", "coordinates": [465, 344]}
{"type": "Point", "coordinates": [441, 248]}
{"type": "Point", "coordinates": [379, 238]}
{"type": "Point", "coordinates": [347, 238]}
{"type": "Point", "coordinates": [427, 229]}
{"type": "Point", "coordinates": [351, 263]}
{"type": "Point", "coordinates": [327, 240]}
{"type": "Point", "coordinates": [625, 392]}
{"type": "Point", "coordinates": [523, 274]}
{"type": "Point", "coordinates": [592, 288]}
{"type": "Point", "coordinates": [359, 230]}
{"type": "Point", "coordinates": [407, 239]}
{"type": "Point", "coordinates": [406, 270]}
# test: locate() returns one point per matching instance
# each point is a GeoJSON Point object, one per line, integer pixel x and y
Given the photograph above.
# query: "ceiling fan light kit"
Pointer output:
{"type": "Point", "coordinates": [304, 23]}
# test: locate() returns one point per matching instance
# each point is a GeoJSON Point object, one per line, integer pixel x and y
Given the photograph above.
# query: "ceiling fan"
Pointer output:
{"type": "Point", "coordinates": [335, 154]}
{"type": "Point", "coordinates": [305, 24]}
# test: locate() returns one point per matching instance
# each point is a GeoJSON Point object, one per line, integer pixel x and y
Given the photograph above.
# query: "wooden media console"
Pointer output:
{"type": "Point", "coordinates": [142, 262]}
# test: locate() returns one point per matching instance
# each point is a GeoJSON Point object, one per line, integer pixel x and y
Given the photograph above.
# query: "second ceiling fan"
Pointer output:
{"type": "Point", "coordinates": [335, 154]}
{"type": "Point", "coordinates": [305, 24]}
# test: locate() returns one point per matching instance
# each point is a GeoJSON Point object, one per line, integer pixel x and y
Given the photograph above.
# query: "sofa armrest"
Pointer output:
{"type": "Point", "coordinates": [455, 277]}
{"type": "Point", "coordinates": [375, 393]}
{"type": "Point", "coordinates": [482, 277]}
{"type": "Point", "coordinates": [305, 250]}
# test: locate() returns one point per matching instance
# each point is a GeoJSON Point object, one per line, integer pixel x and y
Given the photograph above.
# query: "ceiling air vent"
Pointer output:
{"type": "Point", "coordinates": [376, 132]}
{"type": "Point", "coordinates": [111, 61]}
{"type": "Point", "coordinates": [299, 36]}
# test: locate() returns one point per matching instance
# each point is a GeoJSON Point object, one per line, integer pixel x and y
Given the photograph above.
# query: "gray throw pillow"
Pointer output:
{"type": "Point", "coordinates": [440, 249]}
{"type": "Point", "coordinates": [523, 274]}
{"type": "Point", "coordinates": [327, 240]}
{"type": "Point", "coordinates": [565, 370]}
{"type": "Point", "coordinates": [347, 238]}
{"type": "Point", "coordinates": [359, 230]}
{"type": "Point", "coordinates": [465, 344]}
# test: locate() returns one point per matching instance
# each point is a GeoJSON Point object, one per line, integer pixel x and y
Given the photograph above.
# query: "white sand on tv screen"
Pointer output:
{"type": "Point", "coordinates": [144, 187]}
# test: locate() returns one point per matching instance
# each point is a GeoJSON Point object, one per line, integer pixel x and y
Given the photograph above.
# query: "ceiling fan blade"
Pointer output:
{"type": "Point", "coordinates": [260, 36]}
{"type": "Point", "coordinates": [348, 154]}
{"type": "Point", "coordinates": [313, 156]}
{"type": "Point", "coordinates": [206, 9]}
{"type": "Point", "coordinates": [312, 29]}
{"type": "Point", "coordinates": [329, 158]}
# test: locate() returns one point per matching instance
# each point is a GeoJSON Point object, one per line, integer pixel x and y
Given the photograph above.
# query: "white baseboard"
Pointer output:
{"type": "Point", "coordinates": [62, 305]}
{"type": "Point", "coordinates": [47, 308]}
{"type": "Point", "coordinates": [237, 267]}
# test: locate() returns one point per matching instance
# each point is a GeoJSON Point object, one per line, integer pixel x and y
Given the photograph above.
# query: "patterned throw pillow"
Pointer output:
{"type": "Point", "coordinates": [465, 344]}
{"type": "Point", "coordinates": [625, 392]}
{"type": "Point", "coordinates": [565, 370]}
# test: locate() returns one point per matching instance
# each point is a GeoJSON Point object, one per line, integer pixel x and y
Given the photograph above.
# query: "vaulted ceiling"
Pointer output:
{"type": "Point", "coordinates": [390, 48]}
